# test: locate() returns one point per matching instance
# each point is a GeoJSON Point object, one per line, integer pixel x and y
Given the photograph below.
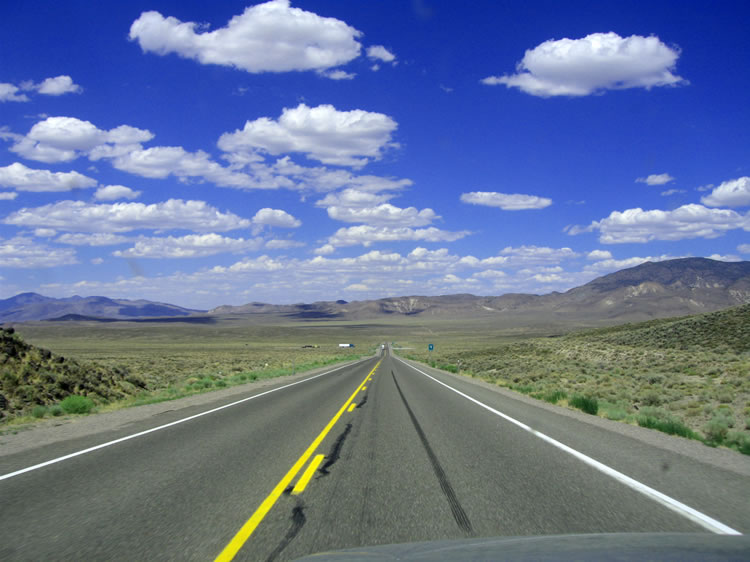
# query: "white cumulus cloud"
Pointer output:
{"type": "Point", "coordinates": [366, 235]}
{"type": "Point", "coordinates": [323, 133]}
{"type": "Point", "coordinates": [506, 201]}
{"type": "Point", "coordinates": [655, 179]}
{"type": "Point", "coordinates": [731, 193]}
{"type": "Point", "coordinates": [380, 53]}
{"type": "Point", "coordinates": [267, 37]}
{"type": "Point", "coordinates": [23, 253]}
{"type": "Point", "coordinates": [529, 255]}
{"type": "Point", "coordinates": [337, 74]}
{"type": "Point", "coordinates": [174, 214]}
{"type": "Point", "coordinates": [61, 139]}
{"type": "Point", "coordinates": [597, 62]}
{"type": "Point", "coordinates": [58, 86]}
{"type": "Point", "coordinates": [91, 239]}
{"type": "Point", "coordinates": [10, 92]}
{"type": "Point", "coordinates": [275, 217]}
{"type": "Point", "coordinates": [114, 192]}
{"type": "Point", "coordinates": [597, 255]}
{"type": "Point", "coordinates": [383, 215]}
{"type": "Point", "coordinates": [685, 222]}
{"type": "Point", "coordinates": [190, 246]}
{"type": "Point", "coordinates": [22, 178]}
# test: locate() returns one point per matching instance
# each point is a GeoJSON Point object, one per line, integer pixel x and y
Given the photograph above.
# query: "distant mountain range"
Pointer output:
{"type": "Point", "coordinates": [650, 290]}
{"type": "Point", "coordinates": [28, 307]}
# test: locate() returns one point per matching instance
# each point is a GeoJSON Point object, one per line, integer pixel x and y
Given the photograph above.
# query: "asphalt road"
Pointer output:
{"type": "Point", "coordinates": [402, 458]}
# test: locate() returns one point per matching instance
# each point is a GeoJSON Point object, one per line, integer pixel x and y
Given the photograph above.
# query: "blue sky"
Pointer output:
{"type": "Point", "coordinates": [291, 152]}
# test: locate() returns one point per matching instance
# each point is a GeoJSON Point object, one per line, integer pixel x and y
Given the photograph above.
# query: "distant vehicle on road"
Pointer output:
{"type": "Point", "coordinates": [346, 345]}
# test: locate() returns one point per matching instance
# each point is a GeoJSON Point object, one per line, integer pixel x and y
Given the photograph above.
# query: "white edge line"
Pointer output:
{"type": "Point", "coordinates": [153, 429]}
{"type": "Point", "coordinates": [686, 511]}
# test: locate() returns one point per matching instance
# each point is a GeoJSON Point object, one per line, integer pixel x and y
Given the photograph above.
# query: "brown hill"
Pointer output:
{"type": "Point", "coordinates": [651, 290]}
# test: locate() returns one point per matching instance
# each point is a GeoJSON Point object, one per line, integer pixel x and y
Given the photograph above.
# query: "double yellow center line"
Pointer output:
{"type": "Point", "coordinates": [251, 524]}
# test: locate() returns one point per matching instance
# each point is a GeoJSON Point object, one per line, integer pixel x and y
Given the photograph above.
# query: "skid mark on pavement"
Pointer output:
{"type": "Point", "coordinates": [458, 512]}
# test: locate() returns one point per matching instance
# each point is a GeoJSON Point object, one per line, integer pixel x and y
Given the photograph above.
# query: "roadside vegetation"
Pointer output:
{"type": "Point", "coordinates": [684, 376]}
{"type": "Point", "coordinates": [124, 365]}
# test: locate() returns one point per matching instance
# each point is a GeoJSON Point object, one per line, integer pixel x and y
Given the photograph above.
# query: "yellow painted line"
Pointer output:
{"type": "Point", "coordinates": [305, 478]}
{"type": "Point", "coordinates": [351, 408]}
{"type": "Point", "coordinates": [251, 524]}
{"type": "Point", "coordinates": [364, 387]}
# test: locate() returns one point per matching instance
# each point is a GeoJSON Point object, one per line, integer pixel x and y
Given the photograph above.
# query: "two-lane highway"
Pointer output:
{"type": "Point", "coordinates": [380, 452]}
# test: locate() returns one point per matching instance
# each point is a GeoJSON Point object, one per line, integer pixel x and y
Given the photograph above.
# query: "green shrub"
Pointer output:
{"type": "Point", "coordinates": [221, 383]}
{"type": "Point", "coordinates": [39, 411]}
{"type": "Point", "coordinates": [716, 429]}
{"type": "Point", "coordinates": [739, 441]}
{"type": "Point", "coordinates": [613, 411]}
{"type": "Point", "coordinates": [586, 404]}
{"type": "Point", "coordinates": [77, 404]}
{"type": "Point", "coordinates": [56, 410]}
{"type": "Point", "coordinates": [653, 418]}
{"type": "Point", "coordinates": [554, 396]}
{"type": "Point", "coordinates": [652, 398]}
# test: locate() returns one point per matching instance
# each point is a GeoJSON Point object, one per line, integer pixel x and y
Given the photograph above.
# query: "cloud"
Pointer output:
{"type": "Point", "coordinates": [337, 74]}
{"type": "Point", "coordinates": [8, 195]}
{"type": "Point", "coordinates": [250, 265]}
{"type": "Point", "coordinates": [174, 214]}
{"type": "Point", "coordinates": [743, 248]}
{"type": "Point", "coordinates": [190, 246]}
{"type": "Point", "coordinates": [611, 264]}
{"type": "Point", "coordinates": [95, 239]}
{"type": "Point", "coordinates": [599, 255]}
{"type": "Point", "coordinates": [669, 192]}
{"type": "Point", "coordinates": [380, 53]}
{"type": "Point", "coordinates": [366, 235]}
{"type": "Point", "coordinates": [268, 37]}
{"type": "Point", "coordinates": [526, 255]}
{"type": "Point", "coordinates": [9, 92]}
{"type": "Point", "coordinates": [275, 217]}
{"type": "Point", "coordinates": [731, 193]}
{"type": "Point", "coordinates": [325, 250]}
{"type": "Point", "coordinates": [352, 205]}
{"type": "Point", "coordinates": [58, 86]}
{"type": "Point", "coordinates": [344, 138]}
{"type": "Point", "coordinates": [383, 215]}
{"type": "Point", "coordinates": [162, 161]}
{"type": "Point", "coordinates": [23, 253]}
{"type": "Point", "coordinates": [22, 178]}
{"type": "Point", "coordinates": [687, 221]}
{"type": "Point", "coordinates": [323, 179]}
{"type": "Point", "coordinates": [351, 198]}
{"type": "Point", "coordinates": [655, 179]}
{"type": "Point", "coordinates": [114, 192]}
{"type": "Point", "coordinates": [597, 62]}
{"type": "Point", "coordinates": [506, 201]}
{"type": "Point", "coordinates": [725, 257]}
{"type": "Point", "coordinates": [61, 139]}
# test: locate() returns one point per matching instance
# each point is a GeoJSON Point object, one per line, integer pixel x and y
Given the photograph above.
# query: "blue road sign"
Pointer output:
{"type": "Point", "coordinates": [430, 347]}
